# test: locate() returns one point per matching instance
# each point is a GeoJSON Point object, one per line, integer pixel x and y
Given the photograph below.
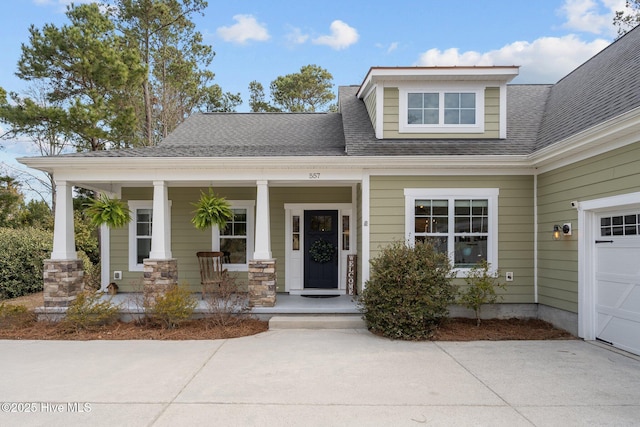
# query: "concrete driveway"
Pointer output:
{"type": "Point", "coordinates": [316, 378]}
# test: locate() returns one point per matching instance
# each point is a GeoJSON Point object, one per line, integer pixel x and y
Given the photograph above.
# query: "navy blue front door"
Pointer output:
{"type": "Point", "coordinates": [321, 249]}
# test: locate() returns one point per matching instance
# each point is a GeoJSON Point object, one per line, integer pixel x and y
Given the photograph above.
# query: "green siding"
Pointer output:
{"type": "Point", "coordinates": [370, 104]}
{"type": "Point", "coordinates": [515, 220]}
{"type": "Point", "coordinates": [491, 118]}
{"type": "Point", "coordinates": [186, 240]}
{"type": "Point", "coordinates": [610, 174]}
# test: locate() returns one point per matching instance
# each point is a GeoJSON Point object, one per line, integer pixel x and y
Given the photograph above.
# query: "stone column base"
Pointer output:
{"type": "Point", "coordinates": [159, 276]}
{"type": "Point", "coordinates": [63, 281]}
{"type": "Point", "coordinates": [262, 283]}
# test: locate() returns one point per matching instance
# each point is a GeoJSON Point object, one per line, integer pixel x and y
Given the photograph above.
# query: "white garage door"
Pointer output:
{"type": "Point", "coordinates": [617, 251]}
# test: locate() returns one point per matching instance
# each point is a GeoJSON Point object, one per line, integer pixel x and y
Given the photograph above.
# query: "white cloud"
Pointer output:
{"type": "Point", "coordinates": [341, 37]}
{"type": "Point", "coordinates": [544, 60]}
{"type": "Point", "coordinates": [246, 29]}
{"type": "Point", "coordinates": [591, 16]}
{"type": "Point", "coordinates": [296, 36]}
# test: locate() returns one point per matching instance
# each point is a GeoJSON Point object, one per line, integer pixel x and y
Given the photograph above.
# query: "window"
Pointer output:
{"type": "Point", "coordinates": [236, 239]}
{"type": "Point", "coordinates": [140, 229]}
{"type": "Point", "coordinates": [459, 222]}
{"type": "Point", "coordinates": [620, 225]}
{"type": "Point", "coordinates": [441, 110]}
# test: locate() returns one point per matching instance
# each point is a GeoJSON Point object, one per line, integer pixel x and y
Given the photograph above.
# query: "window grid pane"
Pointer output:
{"type": "Point", "coordinates": [620, 225]}
{"type": "Point", "coordinates": [467, 241]}
{"type": "Point", "coordinates": [234, 242]}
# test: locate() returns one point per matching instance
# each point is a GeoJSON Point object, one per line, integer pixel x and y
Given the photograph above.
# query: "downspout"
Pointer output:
{"type": "Point", "coordinates": [535, 238]}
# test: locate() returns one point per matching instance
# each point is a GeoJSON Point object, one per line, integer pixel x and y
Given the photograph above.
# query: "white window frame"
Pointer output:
{"type": "Point", "coordinates": [250, 206]}
{"type": "Point", "coordinates": [452, 194]}
{"type": "Point", "coordinates": [134, 205]}
{"type": "Point", "coordinates": [441, 89]}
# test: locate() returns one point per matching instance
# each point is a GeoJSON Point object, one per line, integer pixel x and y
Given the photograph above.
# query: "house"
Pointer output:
{"type": "Point", "coordinates": [542, 181]}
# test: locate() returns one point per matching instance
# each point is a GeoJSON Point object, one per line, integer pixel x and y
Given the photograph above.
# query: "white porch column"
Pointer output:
{"type": "Point", "coordinates": [64, 244]}
{"type": "Point", "coordinates": [263, 224]}
{"type": "Point", "coordinates": [161, 228]}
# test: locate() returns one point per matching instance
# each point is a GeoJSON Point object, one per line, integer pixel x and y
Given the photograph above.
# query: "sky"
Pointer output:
{"type": "Point", "coordinates": [261, 40]}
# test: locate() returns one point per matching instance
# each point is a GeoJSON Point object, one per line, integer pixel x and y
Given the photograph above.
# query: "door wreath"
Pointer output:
{"type": "Point", "coordinates": [321, 251]}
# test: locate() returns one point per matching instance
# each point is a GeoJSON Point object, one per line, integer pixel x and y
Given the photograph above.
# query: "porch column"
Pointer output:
{"type": "Point", "coordinates": [263, 224]}
{"type": "Point", "coordinates": [63, 273]}
{"type": "Point", "coordinates": [262, 268]}
{"type": "Point", "coordinates": [64, 243]}
{"type": "Point", "coordinates": [161, 229]}
{"type": "Point", "coordinates": [160, 269]}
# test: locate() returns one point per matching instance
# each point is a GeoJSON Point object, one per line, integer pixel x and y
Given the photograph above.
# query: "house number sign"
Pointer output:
{"type": "Point", "coordinates": [314, 175]}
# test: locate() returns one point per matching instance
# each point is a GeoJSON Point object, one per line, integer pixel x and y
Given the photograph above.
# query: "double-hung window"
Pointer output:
{"type": "Point", "coordinates": [459, 222]}
{"type": "Point", "coordinates": [235, 240]}
{"type": "Point", "coordinates": [441, 110]}
{"type": "Point", "coordinates": [140, 229]}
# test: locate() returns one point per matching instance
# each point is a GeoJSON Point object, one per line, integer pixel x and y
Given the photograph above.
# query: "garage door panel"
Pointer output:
{"type": "Point", "coordinates": [611, 294]}
{"type": "Point", "coordinates": [622, 333]}
{"type": "Point", "coordinates": [617, 284]}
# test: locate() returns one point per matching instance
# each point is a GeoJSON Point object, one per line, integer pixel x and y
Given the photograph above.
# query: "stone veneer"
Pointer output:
{"type": "Point", "coordinates": [63, 281]}
{"type": "Point", "coordinates": [159, 276]}
{"type": "Point", "coordinates": [262, 283]}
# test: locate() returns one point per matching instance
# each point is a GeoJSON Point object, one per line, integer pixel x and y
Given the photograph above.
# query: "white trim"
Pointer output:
{"type": "Point", "coordinates": [441, 88]}
{"type": "Point", "coordinates": [294, 266]}
{"type": "Point", "coordinates": [250, 206]}
{"type": "Point", "coordinates": [535, 239]}
{"type": "Point", "coordinates": [491, 194]}
{"type": "Point", "coordinates": [262, 248]}
{"type": "Point", "coordinates": [366, 231]}
{"type": "Point", "coordinates": [105, 257]}
{"type": "Point", "coordinates": [588, 212]}
{"type": "Point", "coordinates": [134, 205]}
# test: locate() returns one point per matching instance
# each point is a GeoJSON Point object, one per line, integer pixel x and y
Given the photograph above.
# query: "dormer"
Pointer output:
{"type": "Point", "coordinates": [437, 102]}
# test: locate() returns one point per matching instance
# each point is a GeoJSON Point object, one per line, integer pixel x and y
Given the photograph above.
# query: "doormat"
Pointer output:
{"type": "Point", "coordinates": [320, 296]}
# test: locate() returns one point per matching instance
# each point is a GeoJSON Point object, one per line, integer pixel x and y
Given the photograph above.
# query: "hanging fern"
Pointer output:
{"type": "Point", "coordinates": [211, 210]}
{"type": "Point", "coordinates": [105, 210]}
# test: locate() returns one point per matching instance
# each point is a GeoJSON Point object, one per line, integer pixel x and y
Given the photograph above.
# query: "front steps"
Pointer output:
{"type": "Point", "coordinates": [316, 322]}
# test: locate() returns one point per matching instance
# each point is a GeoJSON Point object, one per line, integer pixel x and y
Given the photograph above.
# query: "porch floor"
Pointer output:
{"type": "Point", "coordinates": [285, 304]}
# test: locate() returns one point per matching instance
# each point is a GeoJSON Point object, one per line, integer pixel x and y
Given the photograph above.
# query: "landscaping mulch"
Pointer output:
{"type": "Point", "coordinates": [455, 329]}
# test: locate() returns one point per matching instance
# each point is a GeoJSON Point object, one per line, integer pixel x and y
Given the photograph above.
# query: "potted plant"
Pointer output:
{"type": "Point", "coordinates": [211, 210]}
{"type": "Point", "coordinates": [110, 211]}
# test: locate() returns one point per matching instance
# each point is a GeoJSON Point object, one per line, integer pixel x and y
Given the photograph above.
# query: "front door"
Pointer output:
{"type": "Point", "coordinates": [321, 249]}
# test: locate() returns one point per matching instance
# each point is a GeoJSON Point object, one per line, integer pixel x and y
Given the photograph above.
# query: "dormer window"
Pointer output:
{"type": "Point", "coordinates": [439, 109]}
{"type": "Point", "coordinates": [424, 108]}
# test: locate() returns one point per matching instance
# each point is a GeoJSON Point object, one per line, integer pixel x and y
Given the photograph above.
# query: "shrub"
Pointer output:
{"type": "Point", "coordinates": [91, 272]}
{"type": "Point", "coordinates": [15, 316]}
{"type": "Point", "coordinates": [89, 310]}
{"type": "Point", "coordinates": [227, 305]}
{"type": "Point", "coordinates": [22, 255]}
{"type": "Point", "coordinates": [409, 291]}
{"type": "Point", "coordinates": [481, 288]}
{"type": "Point", "coordinates": [171, 308]}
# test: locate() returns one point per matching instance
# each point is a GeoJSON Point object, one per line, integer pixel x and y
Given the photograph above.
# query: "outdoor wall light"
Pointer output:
{"type": "Point", "coordinates": [558, 231]}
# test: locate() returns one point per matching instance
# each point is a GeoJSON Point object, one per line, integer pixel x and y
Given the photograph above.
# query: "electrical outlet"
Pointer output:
{"type": "Point", "coordinates": [509, 276]}
{"type": "Point", "coordinates": [117, 275]}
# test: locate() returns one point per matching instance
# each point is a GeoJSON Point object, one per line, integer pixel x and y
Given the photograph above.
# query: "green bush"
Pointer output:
{"type": "Point", "coordinates": [15, 316]}
{"type": "Point", "coordinates": [409, 291]}
{"type": "Point", "coordinates": [22, 255]}
{"type": "Point", "coordinates": [171, 308]}
{"type": "Point", "coordinates": [481, 288]}
{"type": "Point", "coordinates": [89, 310]}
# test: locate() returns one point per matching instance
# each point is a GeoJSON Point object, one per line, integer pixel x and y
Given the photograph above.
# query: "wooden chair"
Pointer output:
{"type": "Point", "coordinates": [211, 271]}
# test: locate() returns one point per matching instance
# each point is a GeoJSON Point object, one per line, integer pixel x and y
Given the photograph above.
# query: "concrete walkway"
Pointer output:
{"type": "Point", "coordinates": [317, 378]}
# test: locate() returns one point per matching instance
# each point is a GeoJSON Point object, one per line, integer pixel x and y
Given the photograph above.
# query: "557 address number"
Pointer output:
{"type": "Point", "coordinates": [314, 175]}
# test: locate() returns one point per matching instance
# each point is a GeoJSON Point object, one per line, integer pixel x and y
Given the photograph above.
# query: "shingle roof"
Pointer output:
{"type": "Point", "coordinates": [604, 87]}
{"type": "Point", "coordinates": [246, 135]}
